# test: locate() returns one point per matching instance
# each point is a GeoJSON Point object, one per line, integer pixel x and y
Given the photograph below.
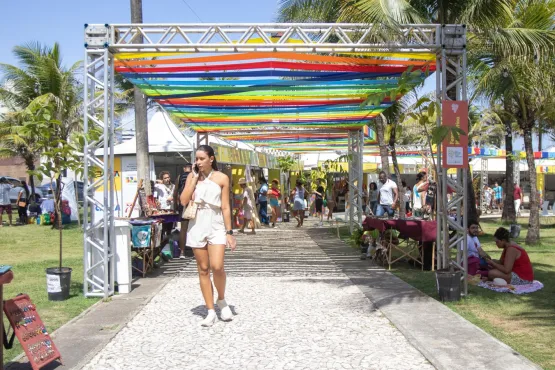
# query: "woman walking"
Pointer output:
{"type": "Point", "coordinates": [373, 197]}
{"type": "Point", "coordinates": [210, 230]}
{"type": "Point", "coordinates": [298, 194]}
{"type": "Point", "coordinates": [331, 195]}
{"type": "Point", "coordinates": [274, 194]}
{"type": "Point", "coordinates": [23, 203]}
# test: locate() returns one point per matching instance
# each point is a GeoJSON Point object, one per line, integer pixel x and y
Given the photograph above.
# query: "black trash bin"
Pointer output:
{"type": "Point", "coordinates": [58, 282]}
{"type": "Point", "coordinates": [448, 285]}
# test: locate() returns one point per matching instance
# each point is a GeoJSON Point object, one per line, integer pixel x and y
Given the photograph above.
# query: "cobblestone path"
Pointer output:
{"type": "Point", "coordinates": [294, 309]}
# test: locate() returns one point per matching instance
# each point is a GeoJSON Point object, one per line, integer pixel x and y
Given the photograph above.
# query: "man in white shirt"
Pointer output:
{"type": "Point", "coordinates": [476, 255]}
{"type": "Point", "coordinates": [5, 204]}
{"type": "Point", "coordinates": [388, 195]}
{"type": "Point", "coordinates": [164, 191]}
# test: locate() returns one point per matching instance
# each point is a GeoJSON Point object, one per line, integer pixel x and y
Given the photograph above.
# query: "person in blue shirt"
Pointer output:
{"type": "Point", "coordinates": [498, 193]}
{"type": "Point", "coordinates": [263, 202]}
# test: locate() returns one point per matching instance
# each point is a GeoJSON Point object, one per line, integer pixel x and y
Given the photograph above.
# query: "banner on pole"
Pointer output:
{"type": "Point", "coordinates": [454, 113]}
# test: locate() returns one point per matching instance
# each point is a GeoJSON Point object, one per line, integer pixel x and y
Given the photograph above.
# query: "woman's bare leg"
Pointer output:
{"type": "Point", "coordinates": [203, 266]}
{"type": "Point", "coordinates": [216, 256]}
{"type": "Point", "coordinates": [495, 273]}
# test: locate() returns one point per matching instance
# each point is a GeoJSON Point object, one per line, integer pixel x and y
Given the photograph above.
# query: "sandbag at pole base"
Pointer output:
{"type": "Point", "coordinates": [58, 282]}
{"type": "Point", "coordinates": [448, 285]}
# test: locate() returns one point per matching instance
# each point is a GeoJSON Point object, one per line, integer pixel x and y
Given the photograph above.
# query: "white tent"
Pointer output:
{"type": "Point", "coordinates": [163, 137]}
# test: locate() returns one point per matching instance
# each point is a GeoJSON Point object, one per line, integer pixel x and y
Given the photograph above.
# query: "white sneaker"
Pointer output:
{"type": "Point", "coordinates": [182, 256]}
{"type": "Point", "coordinates": [210, 319]}
{"type": "Point", "coordinates": [226, 315]}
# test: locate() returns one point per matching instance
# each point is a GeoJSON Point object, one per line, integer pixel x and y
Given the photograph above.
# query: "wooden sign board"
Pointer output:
{"type": "Point", "coordinates": [31, 332]}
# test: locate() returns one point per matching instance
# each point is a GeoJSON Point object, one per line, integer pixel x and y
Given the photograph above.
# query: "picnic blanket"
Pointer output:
{"type": "Point", "coordinates": [515, 289]}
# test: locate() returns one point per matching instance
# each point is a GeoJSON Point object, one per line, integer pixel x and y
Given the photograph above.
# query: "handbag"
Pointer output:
{"type": "Point", "coordinates": [191, 211]}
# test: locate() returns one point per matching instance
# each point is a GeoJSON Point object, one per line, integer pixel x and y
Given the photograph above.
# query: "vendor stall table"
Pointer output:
{"type": "Point", "coordinates": [414, 236]}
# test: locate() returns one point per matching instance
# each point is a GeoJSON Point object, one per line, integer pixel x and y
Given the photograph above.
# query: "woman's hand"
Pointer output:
{"type": "Point", "coordinates": [231, 242]}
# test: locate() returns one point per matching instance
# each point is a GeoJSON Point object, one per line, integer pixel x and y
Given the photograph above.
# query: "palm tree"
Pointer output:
{"type": "Point", "coordinates": [41, 72]}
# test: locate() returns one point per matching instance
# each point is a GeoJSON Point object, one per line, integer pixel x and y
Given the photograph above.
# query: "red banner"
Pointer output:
{"type": "Point", "coordinates": [454, 113]}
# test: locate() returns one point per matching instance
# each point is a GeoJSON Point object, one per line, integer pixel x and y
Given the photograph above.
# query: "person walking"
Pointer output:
{"type": "Point", "coordinates": [498, 192]}
{"type": "Point", "coordinates": [407, 196]}
{"type": "Point", "coordinates": [388, 195]}
{"type": "Point", "coordinates": [246, 205]}
{"type": "Point", "coordinates": [210, 231]}
{"type": "Point", "coordinates": [419, 194]}
{"type": "Point", "coordinates": [373, 197]}
{"type": "Point", "coordinates": [274, 194]}
{"type": "Point", "coordinates": [263, 202]}
{"type": "Point", "coordinates": [5, 204]}
{"type": "Point", "coordinates": [517, 193]}
{"type": "Point", "coordinates": [331, 195]}
{"type": "Point", "coordinates": [299, 194]}
{"type": "Point", "coordinates": [184, 224]}
{"type": "Point", "coordinates": [319, 202]}
{"type": "Point", "coordinates": [163, 192]}
{"type": "Point", "coordinates": [23, 202]}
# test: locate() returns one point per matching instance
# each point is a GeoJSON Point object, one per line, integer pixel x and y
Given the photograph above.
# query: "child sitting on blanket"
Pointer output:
{"type": "Point", "coordinates": [514, 266]}
{"type": "Point", "coordinates": [477, 258]}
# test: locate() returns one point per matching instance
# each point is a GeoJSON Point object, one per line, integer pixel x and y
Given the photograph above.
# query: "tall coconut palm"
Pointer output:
{"type": "Point", "coordinates": [40, 72]}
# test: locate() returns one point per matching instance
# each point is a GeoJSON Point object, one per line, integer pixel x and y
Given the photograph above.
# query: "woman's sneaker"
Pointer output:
{"type": "Point", "coordinates": [226, 314]}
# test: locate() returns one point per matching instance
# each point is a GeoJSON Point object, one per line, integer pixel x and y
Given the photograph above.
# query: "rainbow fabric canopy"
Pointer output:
{"type": "Point", "coordinates": [289, 101]}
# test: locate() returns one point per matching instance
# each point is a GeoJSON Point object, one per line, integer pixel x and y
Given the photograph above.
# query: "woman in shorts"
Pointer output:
{"type": "Point", "coordinates": [274, 194]}
{"type": "Point", "coordinates": [299, 194]}
{"type": "Point", "coordinates": [210, 230]}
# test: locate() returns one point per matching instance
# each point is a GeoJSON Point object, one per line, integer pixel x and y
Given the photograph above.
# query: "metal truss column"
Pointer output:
{"type": "Point", "coordinates": [483, 182]}
{"type": "Point", "coordinates": [356, 149]}
{"type": "Point", "coordinates": [451, 85]}
{"type": "Point", "coordinates": [98, 218]}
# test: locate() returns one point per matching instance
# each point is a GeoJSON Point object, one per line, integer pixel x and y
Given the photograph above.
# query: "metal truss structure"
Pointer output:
{"type": "Point", "coordinates": [356, 149]}
{"type": "Point", "coordinates": [451, 85]}
{"type": "Point", "coordinates": [299, 37]}
{"type": "Point", "coordinates": [102, 42]}
{"type": "Point", "coordinates": [483, 182]}
{"type": "Point", "coordinates": [98, 217]}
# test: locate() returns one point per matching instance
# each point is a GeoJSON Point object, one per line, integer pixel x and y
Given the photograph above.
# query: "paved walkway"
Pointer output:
{"type": "Point", "coordinates": [294, 306]}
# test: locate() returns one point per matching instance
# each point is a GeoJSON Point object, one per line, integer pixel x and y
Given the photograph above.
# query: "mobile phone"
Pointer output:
{"type": "Point", "coordinates": [4, 269]}
{"type": "Point", "coordinates": [195, 169]}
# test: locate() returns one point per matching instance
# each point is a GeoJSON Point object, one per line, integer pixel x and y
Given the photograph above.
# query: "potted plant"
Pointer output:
{"type": "Point", "coordinates": [59, 153]}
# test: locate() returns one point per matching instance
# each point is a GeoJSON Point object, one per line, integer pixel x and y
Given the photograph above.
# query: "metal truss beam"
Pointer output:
{"type": "Point", "coordinates": [268, 37]}
{"type": "Point", "coordinates": [451, 85]}
{"type": "Point", "coordinates": [98, 218]}
{"type": "Point", "coordinates": [356, 148]}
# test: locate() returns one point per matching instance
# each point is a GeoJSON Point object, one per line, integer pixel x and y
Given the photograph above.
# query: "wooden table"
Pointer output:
{"type": "Point", "coordinates": [413, 234]}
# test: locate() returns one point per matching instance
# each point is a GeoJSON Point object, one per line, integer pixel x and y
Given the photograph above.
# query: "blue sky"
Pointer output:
{"type": "Point", "coordinates": [62, 21]}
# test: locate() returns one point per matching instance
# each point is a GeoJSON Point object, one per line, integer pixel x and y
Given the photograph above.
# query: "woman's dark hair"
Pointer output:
{"type": "Point", "coordinates": [404, 183]}
{"type": "Point", "coordinates": [502, 234]}
{"type": "Point", "coordinates": [210, 151]}
{"type": "Point", "coordinates": [299, 182]}
{"type": "Point", "coordinates": [375, 186]}
{"type": "Point", "coordinates": [420, 176]}
{"type": "Point", "coordinates": [26, 188]}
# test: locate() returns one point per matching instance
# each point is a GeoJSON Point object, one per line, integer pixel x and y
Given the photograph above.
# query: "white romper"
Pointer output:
{"type": "Point", "coordinates": [208, 225]}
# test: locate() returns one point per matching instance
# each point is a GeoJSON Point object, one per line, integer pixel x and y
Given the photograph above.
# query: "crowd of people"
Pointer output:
{"type": "Point", "coordinates": [493, 197]}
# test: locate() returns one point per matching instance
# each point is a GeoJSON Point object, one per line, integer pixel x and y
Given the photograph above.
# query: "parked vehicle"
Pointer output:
{"type": "Point", "coordinates": [17, 188]}
{"type": "Point", "coordinates": [47, 190]}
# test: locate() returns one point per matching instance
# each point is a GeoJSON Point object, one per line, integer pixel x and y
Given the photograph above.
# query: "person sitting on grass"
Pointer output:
{"type": "Point", "coordinates": [514, 266]}
{"type": "Point", "coordinates": [477, 258]}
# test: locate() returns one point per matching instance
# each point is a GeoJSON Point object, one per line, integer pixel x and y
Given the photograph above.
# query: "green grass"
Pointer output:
{"type": "Point", "coordinates": [527, 322]}
{"type": "Point", "coordinates": [30, 250]}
